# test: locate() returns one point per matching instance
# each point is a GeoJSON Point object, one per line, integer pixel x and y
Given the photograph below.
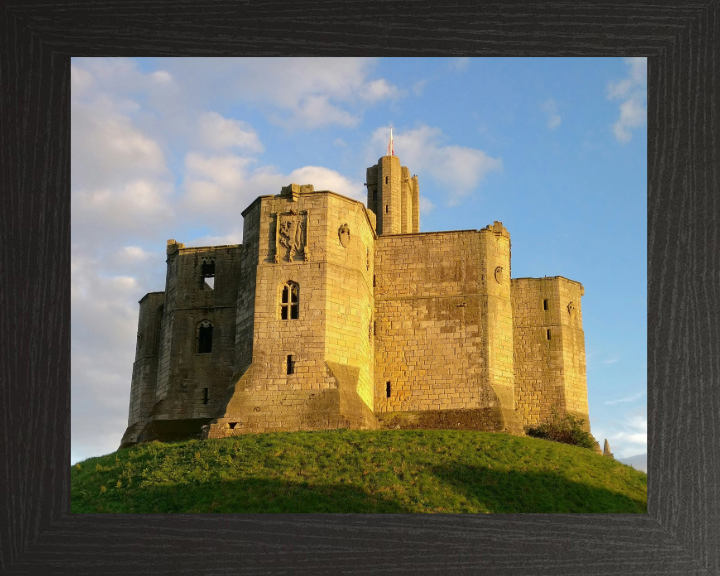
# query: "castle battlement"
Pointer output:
{"type": "Point", "coordinates": [337, 314]}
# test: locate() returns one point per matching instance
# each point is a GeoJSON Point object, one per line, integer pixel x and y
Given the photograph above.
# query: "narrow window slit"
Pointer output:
{"type": "Point", "coordinates": [545, 304]}
{"type": "Point", "coordinates": [205, 395]}
{"type": "Point", "coordinates": [387, 389]}
{"type": "Point", "coordinates": [290, 364]}
{"type": "Point", "coordinates": [548, 333]}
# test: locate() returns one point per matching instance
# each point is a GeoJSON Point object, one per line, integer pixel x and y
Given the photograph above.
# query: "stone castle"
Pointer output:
{"type": "Point", "coordinates": [335, 314]}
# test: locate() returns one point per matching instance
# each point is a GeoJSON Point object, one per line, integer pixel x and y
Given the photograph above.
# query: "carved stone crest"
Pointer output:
{"type": "Point", "coordinates": [344, 234]}
{"type": "Point", "coordinates": [571, 308]}
{"type": "Point", "coordinates": [499, 274]}
{"type": "Point", "coordinates": [291, 236]}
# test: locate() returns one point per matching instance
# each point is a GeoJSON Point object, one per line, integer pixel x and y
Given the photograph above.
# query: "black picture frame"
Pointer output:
{"type": "Point", "coordinates": [680, 534]}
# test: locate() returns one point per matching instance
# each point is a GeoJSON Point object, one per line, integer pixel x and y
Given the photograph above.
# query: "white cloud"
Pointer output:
{"type": "Point", "coordinates": [221, 133]}
{"type": "Point", "coordinates": [379, 90]}
{"type": "Point", "coordinates": [632, 437]}
{"type": "Point", "coordinates": [426, 206]}
{"type": "Point", "coordinates": [628, 399]}
{"type": "Point", "coordinates": [132, 210]}
{"type": "Point", "coordinates": [234, 237]}
{"type": "Point", "coordinates": [459, 170]}
{"type": "Point", "coordinates": [104, 323]}
{"type": "Point", "coordinates": [613, 360]}
{"type": "Point", "coordinates": [459, 64]}
{"type": "Point", "coordinates": [293, 92]}
{"type": "Point", "coordinates": [551, 109]}
{"type": "Point", "coordinates": [230, 181]}
{"type": "Point", "coordinates": [419, 87]}
{"type": "Point", "coordinates": [633, 93]}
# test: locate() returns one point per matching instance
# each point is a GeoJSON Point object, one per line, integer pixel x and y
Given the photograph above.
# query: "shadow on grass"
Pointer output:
{"type": "Point", "coordinates": [251, 495]}
{"type": "Point", "coordinates": [521, 492]}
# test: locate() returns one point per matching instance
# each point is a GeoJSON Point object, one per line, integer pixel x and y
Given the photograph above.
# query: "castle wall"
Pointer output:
{"type": "Point", "coordinates": [444, 324]}
{"type": "Point", "coordinates": [144, 375]}
{"type": "Point", "coordinates": [429, 330]}
{"type": "Point", "coordinates": [329, 341]}
{"type": "Point", "coordinates": [548, 372]}
{"type": "Point", "coordinates": [192, 383]}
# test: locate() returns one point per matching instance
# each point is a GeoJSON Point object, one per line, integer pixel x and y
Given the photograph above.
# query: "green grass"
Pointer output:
{"type": "Point", "coordinates": [397, 471]}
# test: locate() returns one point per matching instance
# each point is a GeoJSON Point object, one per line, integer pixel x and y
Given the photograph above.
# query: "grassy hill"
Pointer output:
{"type": "Point", "coordinates": [395, 471]}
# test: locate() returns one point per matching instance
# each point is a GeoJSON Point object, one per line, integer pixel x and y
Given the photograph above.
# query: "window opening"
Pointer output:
{"type": "Point", "coordinates": [373, 280]}
{"type": "Point", "coordinates": [548, 334]}
{"type": "Point", "coordinates": [205, 331]}
{"type": "Point", "coordinates": [374, 327]}
{"type": "Point", "coordinates": [386, 179]}
{"type": "Point", "coordinates": [387, 390]}
{"type": "Point", "coordinates": [290, 365]}
{"type": "Point", "coordinates": [205, 395]}
{"type": "Point", "coordinates": [387, 208]}
{"type": "Point", "coordinates": [207, 274]}
{"type": "Point", "coordinates": [290, 302]}
{"type": "Point", "coordinates": [545, 304]}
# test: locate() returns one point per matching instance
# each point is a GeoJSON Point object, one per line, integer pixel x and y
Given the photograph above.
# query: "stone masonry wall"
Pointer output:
{"type": "Point", "coordinates": [549, 371]}
{"type": "Point", "coordinates": [428, 322]}
{"type": "Point", "coordinates": [144, 376]}
{"type": "Point", "coordinates": [194, 383]}
{"type": "Point", "coordinates": [329, 341]}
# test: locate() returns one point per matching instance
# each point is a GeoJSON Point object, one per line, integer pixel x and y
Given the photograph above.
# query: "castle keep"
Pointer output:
{"type": "Point", "coordinates": [335, 314]}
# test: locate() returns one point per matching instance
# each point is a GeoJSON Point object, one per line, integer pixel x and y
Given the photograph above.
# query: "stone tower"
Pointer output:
{"type": "Point", "coordinates": [393, 196]}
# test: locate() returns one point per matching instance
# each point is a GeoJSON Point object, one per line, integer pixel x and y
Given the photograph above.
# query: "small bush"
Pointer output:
{"type": "Point", "coordinates": [567, 429]}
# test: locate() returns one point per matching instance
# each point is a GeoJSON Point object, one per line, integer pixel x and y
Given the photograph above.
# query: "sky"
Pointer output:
{"type": "Point", "coordinates": [554, 148]}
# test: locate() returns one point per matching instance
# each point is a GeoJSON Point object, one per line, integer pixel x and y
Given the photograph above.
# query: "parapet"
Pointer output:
{"type": "Point", "coordinates": [498, 229]}
{"type": "Point", "coordinates": [173, 247]}
{"type": "Point", "coordinates": [295, 190]}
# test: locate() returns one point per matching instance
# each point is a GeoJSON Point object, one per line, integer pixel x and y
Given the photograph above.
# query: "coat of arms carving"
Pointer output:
{"type": "Point", "coordinates": [291, 236]}
{"type": "Point", "coordinates": [344, 233]}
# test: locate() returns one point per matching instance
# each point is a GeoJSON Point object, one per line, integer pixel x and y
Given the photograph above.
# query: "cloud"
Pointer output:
{"type": "Point", "coordinates": [377, 90]}
{"type": "Point", "coordinates": [233, 182]}
{"type": "Point", "coordinates": [551, 109]}
{"type": "Point", "coordinates": [425, 205]}
{"type": "Point", "coordinates": [457, 169]}
{"type": "Point", "coordinates": [221, 133]}
{"type": "Point", "coordinates": [419, 87]}
{"type": "Point", "coordinates": [292, 92]}
{"type": "Point", "coordinates": [613, 360]}
{"type": "Point", "coordinates": [104, 323]}
{"type": "Point", "coordinates": [632, 436]}
{"type": "Point", "coordinates": [632, 91]}
{"type": "Point", "coordinates": [459, 64]}
{"type": "Point", "coordinates": [628, 399]}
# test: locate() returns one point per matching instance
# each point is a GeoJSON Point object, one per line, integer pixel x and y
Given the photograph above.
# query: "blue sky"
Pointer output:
{"type": "Point", "coordinates": [555, 148]}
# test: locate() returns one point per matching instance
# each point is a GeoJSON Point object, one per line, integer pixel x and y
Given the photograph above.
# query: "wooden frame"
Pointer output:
{"type": "Point", "coordinates": [681, 531]}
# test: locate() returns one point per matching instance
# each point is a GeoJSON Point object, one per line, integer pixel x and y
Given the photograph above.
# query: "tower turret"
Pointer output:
{"type": "Point", "coordinates": [393, 196]}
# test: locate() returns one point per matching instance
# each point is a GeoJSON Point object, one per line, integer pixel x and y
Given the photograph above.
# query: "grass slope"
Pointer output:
{"type": "Point", "coordinates": [396, 471]}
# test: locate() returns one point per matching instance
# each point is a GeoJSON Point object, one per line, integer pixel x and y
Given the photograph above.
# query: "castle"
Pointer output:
{"type": "Point", "coordinates": [335, 314]}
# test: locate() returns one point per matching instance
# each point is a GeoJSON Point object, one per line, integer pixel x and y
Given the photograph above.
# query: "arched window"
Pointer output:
{"type": "Point", "coordinates": [204, 337]}
{"type": "Point", "coordinates": [290, 302]}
